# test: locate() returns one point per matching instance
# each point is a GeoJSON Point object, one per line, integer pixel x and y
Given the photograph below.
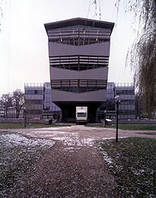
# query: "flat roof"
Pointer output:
{"type": "Point", "coordinates": [79, 21]}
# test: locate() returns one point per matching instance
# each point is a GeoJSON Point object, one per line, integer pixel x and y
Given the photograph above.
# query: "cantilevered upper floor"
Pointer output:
{"type": "Point", "coordinates": [79, 51]}
{"type": "Point", "coordinates": [82, 41]}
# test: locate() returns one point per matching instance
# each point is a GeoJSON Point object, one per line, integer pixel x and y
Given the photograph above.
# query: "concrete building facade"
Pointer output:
{"type": "Point", "coordinates": [79, 55]}
{"type": "Point", "coordinates": [47, 99]}
{"type": "Point", "coordinates": [33, 100]}
{"type": "Point", "coordinates": [12, 112]}
{"type": "Point", "coordinates": [127, 104]}
{"type": "Point", "coordinates": [38, 101]}
{"type": "Point", "coordinates": [2, 112]}
{"type": "Point", "coordinates": [50, 110]}
{"type": "Point", "coordinates": [127, 107]}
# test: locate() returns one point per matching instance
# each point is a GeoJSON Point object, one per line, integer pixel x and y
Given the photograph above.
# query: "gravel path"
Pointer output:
{"type": "Point", "coordinates": [77, 134]}
{"type": "Point", "coordinates": [73, 167]}
{"type": "Point", "coordinates": [63, 172]}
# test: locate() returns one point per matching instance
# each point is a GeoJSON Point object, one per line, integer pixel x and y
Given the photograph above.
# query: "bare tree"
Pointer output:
{"type": "Point", "coordinates": [6, 102]}
{"type": "Point", "coordinates": [18, 101]}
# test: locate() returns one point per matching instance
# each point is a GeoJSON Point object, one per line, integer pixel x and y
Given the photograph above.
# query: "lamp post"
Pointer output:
{"type": "Point", "coordinates": [117, 101]}
{"type": "Point", "coordinates": [25, 119]}
{"type": "Point", "coordinates": [105, 117]}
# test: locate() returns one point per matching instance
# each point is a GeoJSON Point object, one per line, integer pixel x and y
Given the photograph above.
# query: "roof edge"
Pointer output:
{"type": "Point", "coordinates": [81, 21]}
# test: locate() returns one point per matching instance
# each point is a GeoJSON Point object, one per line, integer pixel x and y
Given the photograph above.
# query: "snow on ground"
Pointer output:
{"type": "Point", "coordinates": [75, 140]}
{"type": "Point", "coordinates": [14, 139]}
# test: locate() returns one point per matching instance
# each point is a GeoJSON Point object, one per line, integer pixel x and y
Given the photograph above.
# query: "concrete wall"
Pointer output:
{"type": "Point", "coordinates": [97, 49]}
{"type": "Point", "coordinates": [91, 96]}
{"type": "Point", "coordinates": [99, 73]}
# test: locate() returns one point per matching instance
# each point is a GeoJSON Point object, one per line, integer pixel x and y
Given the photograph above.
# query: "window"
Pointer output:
{"type": "Point", "coordinates": [79, 62]}
{"type": "Point", "coordinates": [83, 85]}
{"type": "Point", "coordinates": [81, 114]}
{"type": "Point", "coordinates": [33, 92]}
{"type": "Point", "coordinates": [30, 102]}
{"type": "Point", "coordinates": [79, 37]}
{"type": "Point", "coordinates": [125, 92]}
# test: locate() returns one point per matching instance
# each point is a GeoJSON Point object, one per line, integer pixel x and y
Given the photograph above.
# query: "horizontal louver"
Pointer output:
{"type": "Point", "coordinates": [79, 62]}
{"type": "Point", "coordinates": [78, 37]}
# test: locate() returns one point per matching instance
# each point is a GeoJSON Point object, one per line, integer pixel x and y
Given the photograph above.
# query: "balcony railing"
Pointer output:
{"type": "Point", "coordinates": [79, 62]}
{"type": "Point", "coordinates": [82, 85]}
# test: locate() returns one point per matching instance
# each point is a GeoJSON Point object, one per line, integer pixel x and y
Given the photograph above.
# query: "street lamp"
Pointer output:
{"type": "Point", "coordinates": [25, 119]}
{"type": "Point", "coordinates": [105, 117]}
{"type": "Point", "coordinates": [117, 101]}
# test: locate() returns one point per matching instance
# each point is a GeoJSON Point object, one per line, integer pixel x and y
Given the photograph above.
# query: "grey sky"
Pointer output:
{"type": "Point", "coordinates": [24, 46]}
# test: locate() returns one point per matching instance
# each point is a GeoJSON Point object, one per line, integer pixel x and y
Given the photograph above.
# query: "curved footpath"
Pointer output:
{"type": "Point", "coordinates": [86, 134]}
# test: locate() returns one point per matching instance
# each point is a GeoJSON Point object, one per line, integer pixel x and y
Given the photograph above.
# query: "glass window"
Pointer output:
{"type": "Point", "coordinates": [81, 114]}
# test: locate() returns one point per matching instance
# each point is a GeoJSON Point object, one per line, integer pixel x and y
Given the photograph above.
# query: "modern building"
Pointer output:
{"type": "Point", "coordinates": [127, 107]}
{"type": "Point", "coordinates": [38, 101]}
{"type": "Point", "coordinates": [50, 110]}
{"type": "Point", "coordinates": [2, 112]}
{"type": "Point", "coordinates": [34, 100]}
{"type": "Point", "coordinates": [12, 112]}
{"type": "Point", "coordinates": [47, 98]}
{"type": "Point", "coordinates": [110, 91]}
{"type": "Point", "coordinates": [79, 55]}
{"type": "Point", "coordinates": [107, 109]}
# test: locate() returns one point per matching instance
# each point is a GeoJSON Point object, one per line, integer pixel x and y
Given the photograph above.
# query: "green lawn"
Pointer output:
{"type": "Point", "coordinates": [137, 126]}
{"type": "Point", "coordinates": [127, 126]}
{"type": "Point", "coordinates": [18, 125]}
{"type": "Point", "coordinates": [132, 161]}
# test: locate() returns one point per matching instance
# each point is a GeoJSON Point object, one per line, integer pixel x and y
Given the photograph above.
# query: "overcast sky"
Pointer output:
{"type": "Point", "coordinates": [24, 43]}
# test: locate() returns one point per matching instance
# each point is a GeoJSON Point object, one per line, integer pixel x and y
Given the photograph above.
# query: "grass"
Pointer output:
{"type": "Point", "coordinates": [133, 164]}
{"type": "Point", "coordinates": [19, 125]}
{"type": "Point", "coordinates": [128, 126]}
{"type": "Point", "coordinates": [137, 126]}
{"type": "Point", "coordinates": [149, 133]}
{"type": "Point", "coordinates": [121, 126]}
